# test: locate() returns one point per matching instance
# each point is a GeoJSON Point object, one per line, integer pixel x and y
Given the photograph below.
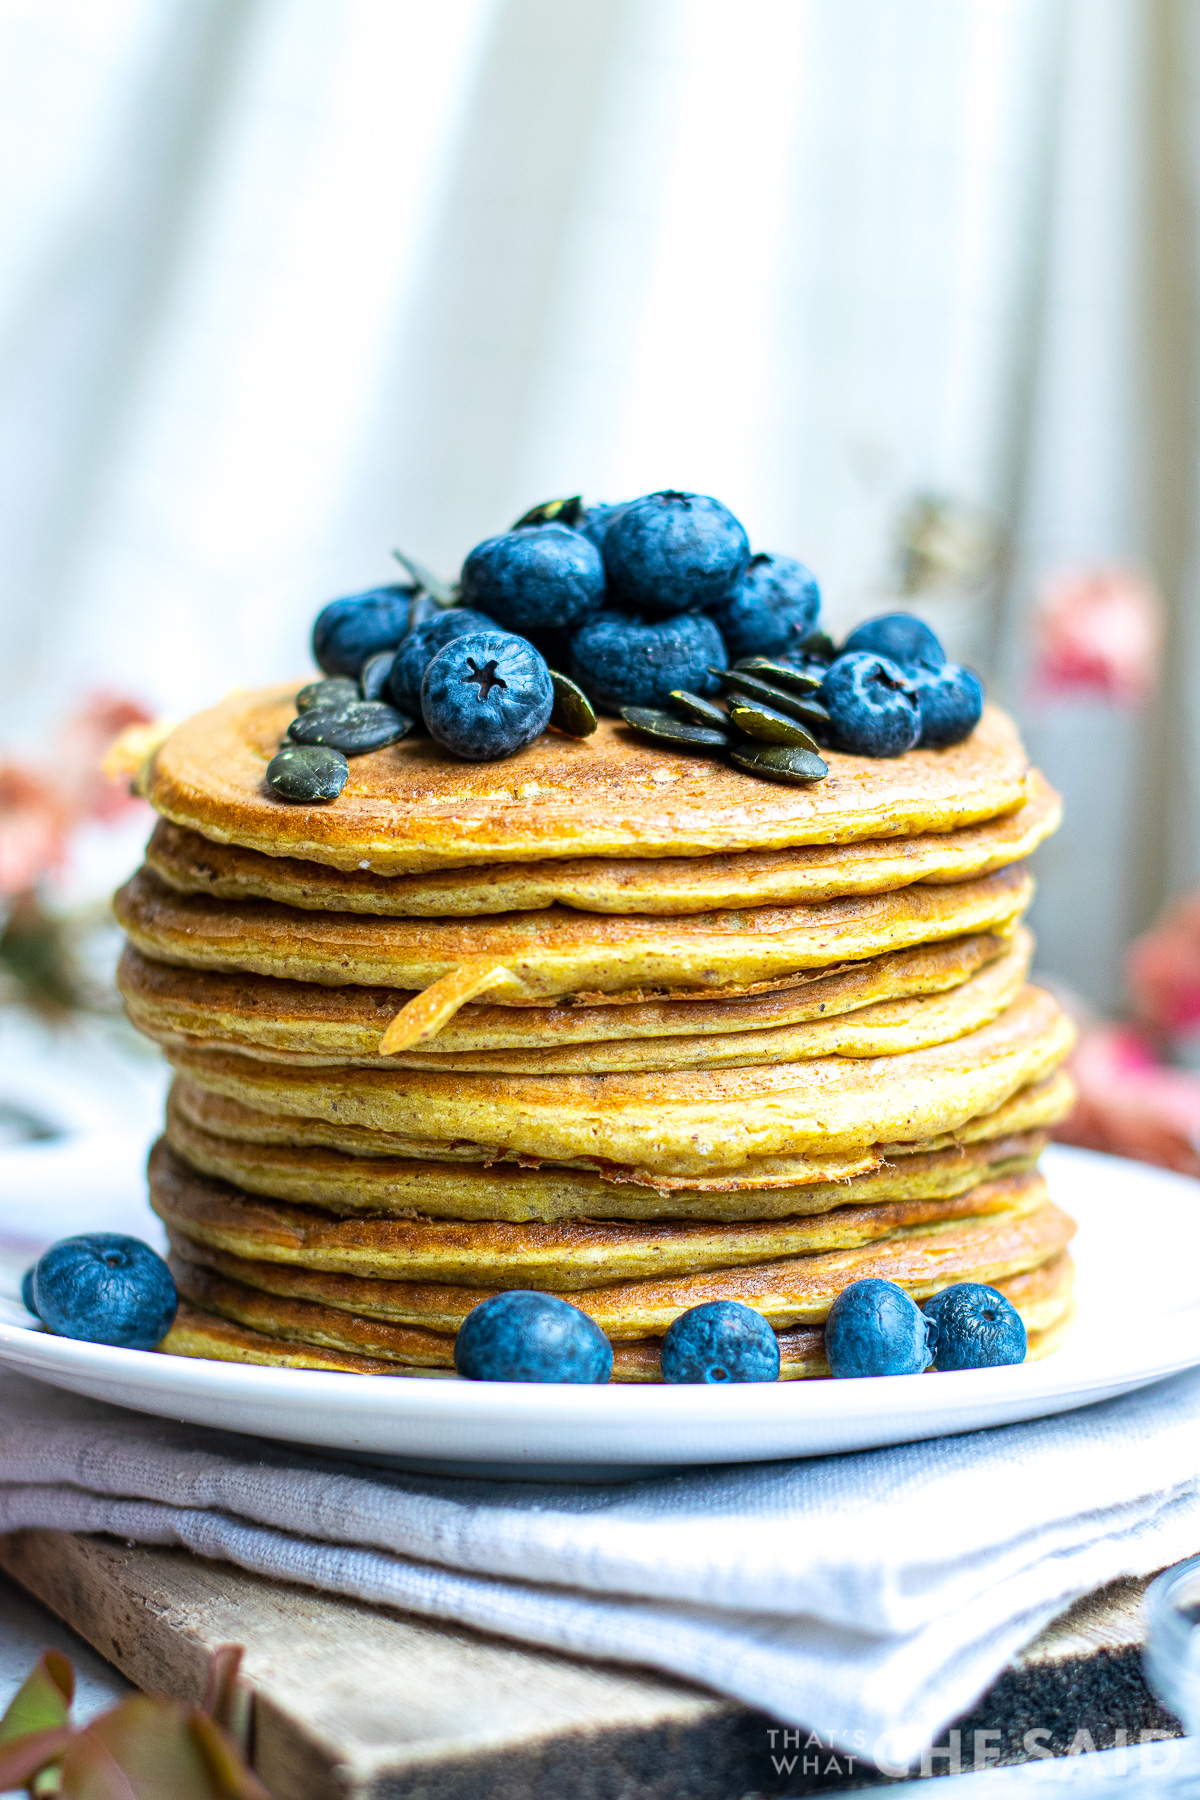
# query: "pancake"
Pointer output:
{"type": "Point", "coordinates": [359, 1187]}
{"type": "Point", "coordinates": [227, 1321]}
{"type": "Point", "coordinates": [788, 1291]}
{"type": "Point", "coordinates": [306, 1021]}
{"type": "Point", "coordinates": [412, 807]}
{"type": "Point", "coordinates": [195, 865]}
{"type": "Point", "coordinates": [884, 1029]}
{"type": "Point", "coordinates": [687, 1123]}
{"type": "Point", "coordinates": [560, 1255]}
{"type": "Point", "coordinates": [319, 1160]}
{"type": "Point", "coordinates": [538, 957]}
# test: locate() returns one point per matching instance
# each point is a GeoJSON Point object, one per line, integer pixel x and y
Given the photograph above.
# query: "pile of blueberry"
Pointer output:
{"type": "Point", "coordinates": [874, 1328]}
{"type": "Point", "coordinates": [104, 1288]}
{"type": "Point", "coordinates": [659, 613]}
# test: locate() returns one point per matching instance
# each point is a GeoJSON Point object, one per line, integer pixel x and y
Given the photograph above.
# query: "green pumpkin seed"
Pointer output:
{"type": "Point", "coordinates": [763, 722]}
{"type": "Point", "coordinates": [699, 710]}
{"type": "Point", "coordinates": [573, 715]}
{"type": "Point", "coordinates": [558, 512]}
{"type": "Point", "coordinates": [779, 763]}
{"type": "Point", "coordinates": [777, 674]}
{"type": "Point", "coordinates": [820, 646]}
{"type": "Point", "coordinates": [751, 687]}
{"type": "Point", "coordinates": [307, 772]}
{"type": "Point", "coordinates": [327, 696]}
{"type": "Point", "coordinates": [354, 730]}
{"type": "Point", "coordinates": [672, 733]}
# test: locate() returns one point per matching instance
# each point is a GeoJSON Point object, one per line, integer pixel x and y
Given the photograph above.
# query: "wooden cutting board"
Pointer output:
{"type": "Point", "coordinates": [363, 1703]}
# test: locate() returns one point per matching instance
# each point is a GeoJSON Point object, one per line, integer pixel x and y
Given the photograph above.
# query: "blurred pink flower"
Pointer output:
{"type": "Point", "coordinates": [1099, 631]}
{"type": "Point", "coordinates": [1162, 970]}
{"type": "Point", "coordinates": [39, 807]}
{"type": "Point", "coordinates": [1130, 1104]}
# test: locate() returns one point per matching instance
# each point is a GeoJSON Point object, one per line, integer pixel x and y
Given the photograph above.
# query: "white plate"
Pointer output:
{"type": "Point", "coordinates": [1138, 1253]}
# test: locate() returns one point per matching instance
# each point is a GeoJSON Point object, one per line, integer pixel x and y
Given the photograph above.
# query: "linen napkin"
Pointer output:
{"type": "Point", "coordinates": [869, 1597]}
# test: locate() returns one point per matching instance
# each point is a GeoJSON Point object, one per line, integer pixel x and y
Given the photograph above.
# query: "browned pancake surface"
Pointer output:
{"type": "Point", "coordinates": [412, 807]}
{"type": "Point", "coordinates": [195, 865]}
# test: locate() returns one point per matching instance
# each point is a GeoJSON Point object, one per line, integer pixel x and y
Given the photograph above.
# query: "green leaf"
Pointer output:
{"type": "Point", "coordinates": [43, 1699]}
{"type": "Point", "coordinates": [432, 584]}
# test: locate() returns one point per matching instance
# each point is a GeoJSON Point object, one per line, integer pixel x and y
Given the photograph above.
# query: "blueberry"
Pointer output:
{"type": "Point", "coordinates": [875, 1328]}
{"type": "Point", "coordinates": [595, 521]}
{"type": "Point", "coordinates": [976, 1328]}
{"type": "Point", "coordinates": [376, 672]}
{"type": "Point", "coordinates": [951, 700]}
{"type": "Point", "coordinates": [672, 553]}
{"type": "Point", "coordinates": [773, 609]}
{"type": "Point", "coordinates": [27, 1291]}
{"type": "Point", "coordinates": [105, 1288]}
{"type": "Point", "coordinates": [539, 579]}
{"type": "Point", "coordinates": [527, 1336]}
{"type": "Point", "coordinates": [874, 707]}
{"type": "Point", "coordinates": [349, 631]}
{"type": "Point", "coordinates": [419, 648]}
{"type": "Point", "coordinates": [901, 637]}
{"type": "Point", "coordinates": [486, 695]}
{"type": "Point", "coordinates": [620, 661]}
{"type": "Point", "coordinates": [723, 1341]}
{"type": "Point", "coordinates": [354, 730]}
{"type": "Point", "coordinates": [307, 772]}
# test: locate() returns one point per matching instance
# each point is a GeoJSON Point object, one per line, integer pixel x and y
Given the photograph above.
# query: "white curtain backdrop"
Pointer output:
{"type": "Point", "coordinates": [284, 282]}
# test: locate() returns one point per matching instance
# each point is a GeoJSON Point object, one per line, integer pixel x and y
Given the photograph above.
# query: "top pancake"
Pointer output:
{"type": "Point", "coordinates": [666, 885]}
{"type": "Point", "coordinates": [413, 807]}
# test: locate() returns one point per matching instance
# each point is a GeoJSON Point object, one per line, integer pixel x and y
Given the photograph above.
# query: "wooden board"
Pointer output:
{"type": "Point", "coordinates": [350, 1702]}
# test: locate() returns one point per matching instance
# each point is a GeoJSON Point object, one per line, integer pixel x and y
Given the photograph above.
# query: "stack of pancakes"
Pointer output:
{"type": "Point", "coordinates": [631, 1027]}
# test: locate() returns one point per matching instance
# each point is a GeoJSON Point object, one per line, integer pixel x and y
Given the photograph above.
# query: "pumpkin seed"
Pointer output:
{"type": "Point", "coordinates": [307, 772]}
{"type": "Point", "coordinates": [675, 734]}
{"type": "Point", "coordinates": [558, 512]}
{"type": "Point", "coordinates": [573, 713]}
{"type": "Point", "coordinates": [326, 696]}
{"type": "Point", "coordinates": [751, 687]}
{"type": "Point", "coordinates": [354, 730]}
{"type": "Point", "coordinates": [759, 721]}
{"type": "Point", "coordinates": [699, 710]}
{"type": "Point", "coordinates": [374, 675]}
{"type": "Point", "coordinates": [776, 674]}
{"type": "Point", "coordinates": [777, 762]}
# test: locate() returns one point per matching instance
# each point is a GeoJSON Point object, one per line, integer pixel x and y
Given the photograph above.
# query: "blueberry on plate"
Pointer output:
{"type": "Point", "coordinates": [951, 701]}
{"type": "Point", "coordinates": [527, 1336]}
{"type": "Point", "coordinates": [722, 1341]}
{"type": "Point", "coordinates": [419, 648]}
{"type": "Point", "coordinates": [27, 1300]}
{"type": "Point", "coordinates": [487, 695]}
{"type": "Point", "coordinates": [874, 707]}
{"type": "Point", "coordinates": [976, 1328]}
{"type": "Point", "coordinates": [307, 773]}
{"type": "Point", "coordinates": [901, 637]}
{"type": "Point", "coordinates": [875, 1328]}
{"type": "Point", "coordinates": [621, 661]}
{"type": "Point", "coordinates": [347, 632]}
{"type": "Point", "coordinates": [772, 610]}
{"type": "Point", "coordinates": [362, 726]}
{"type": "Point", "coordinates": [105, 1288]}
{"type": "Point", "coordinates": [542, 578]}
{"type": "Point", "coordinates": [673, 553]}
